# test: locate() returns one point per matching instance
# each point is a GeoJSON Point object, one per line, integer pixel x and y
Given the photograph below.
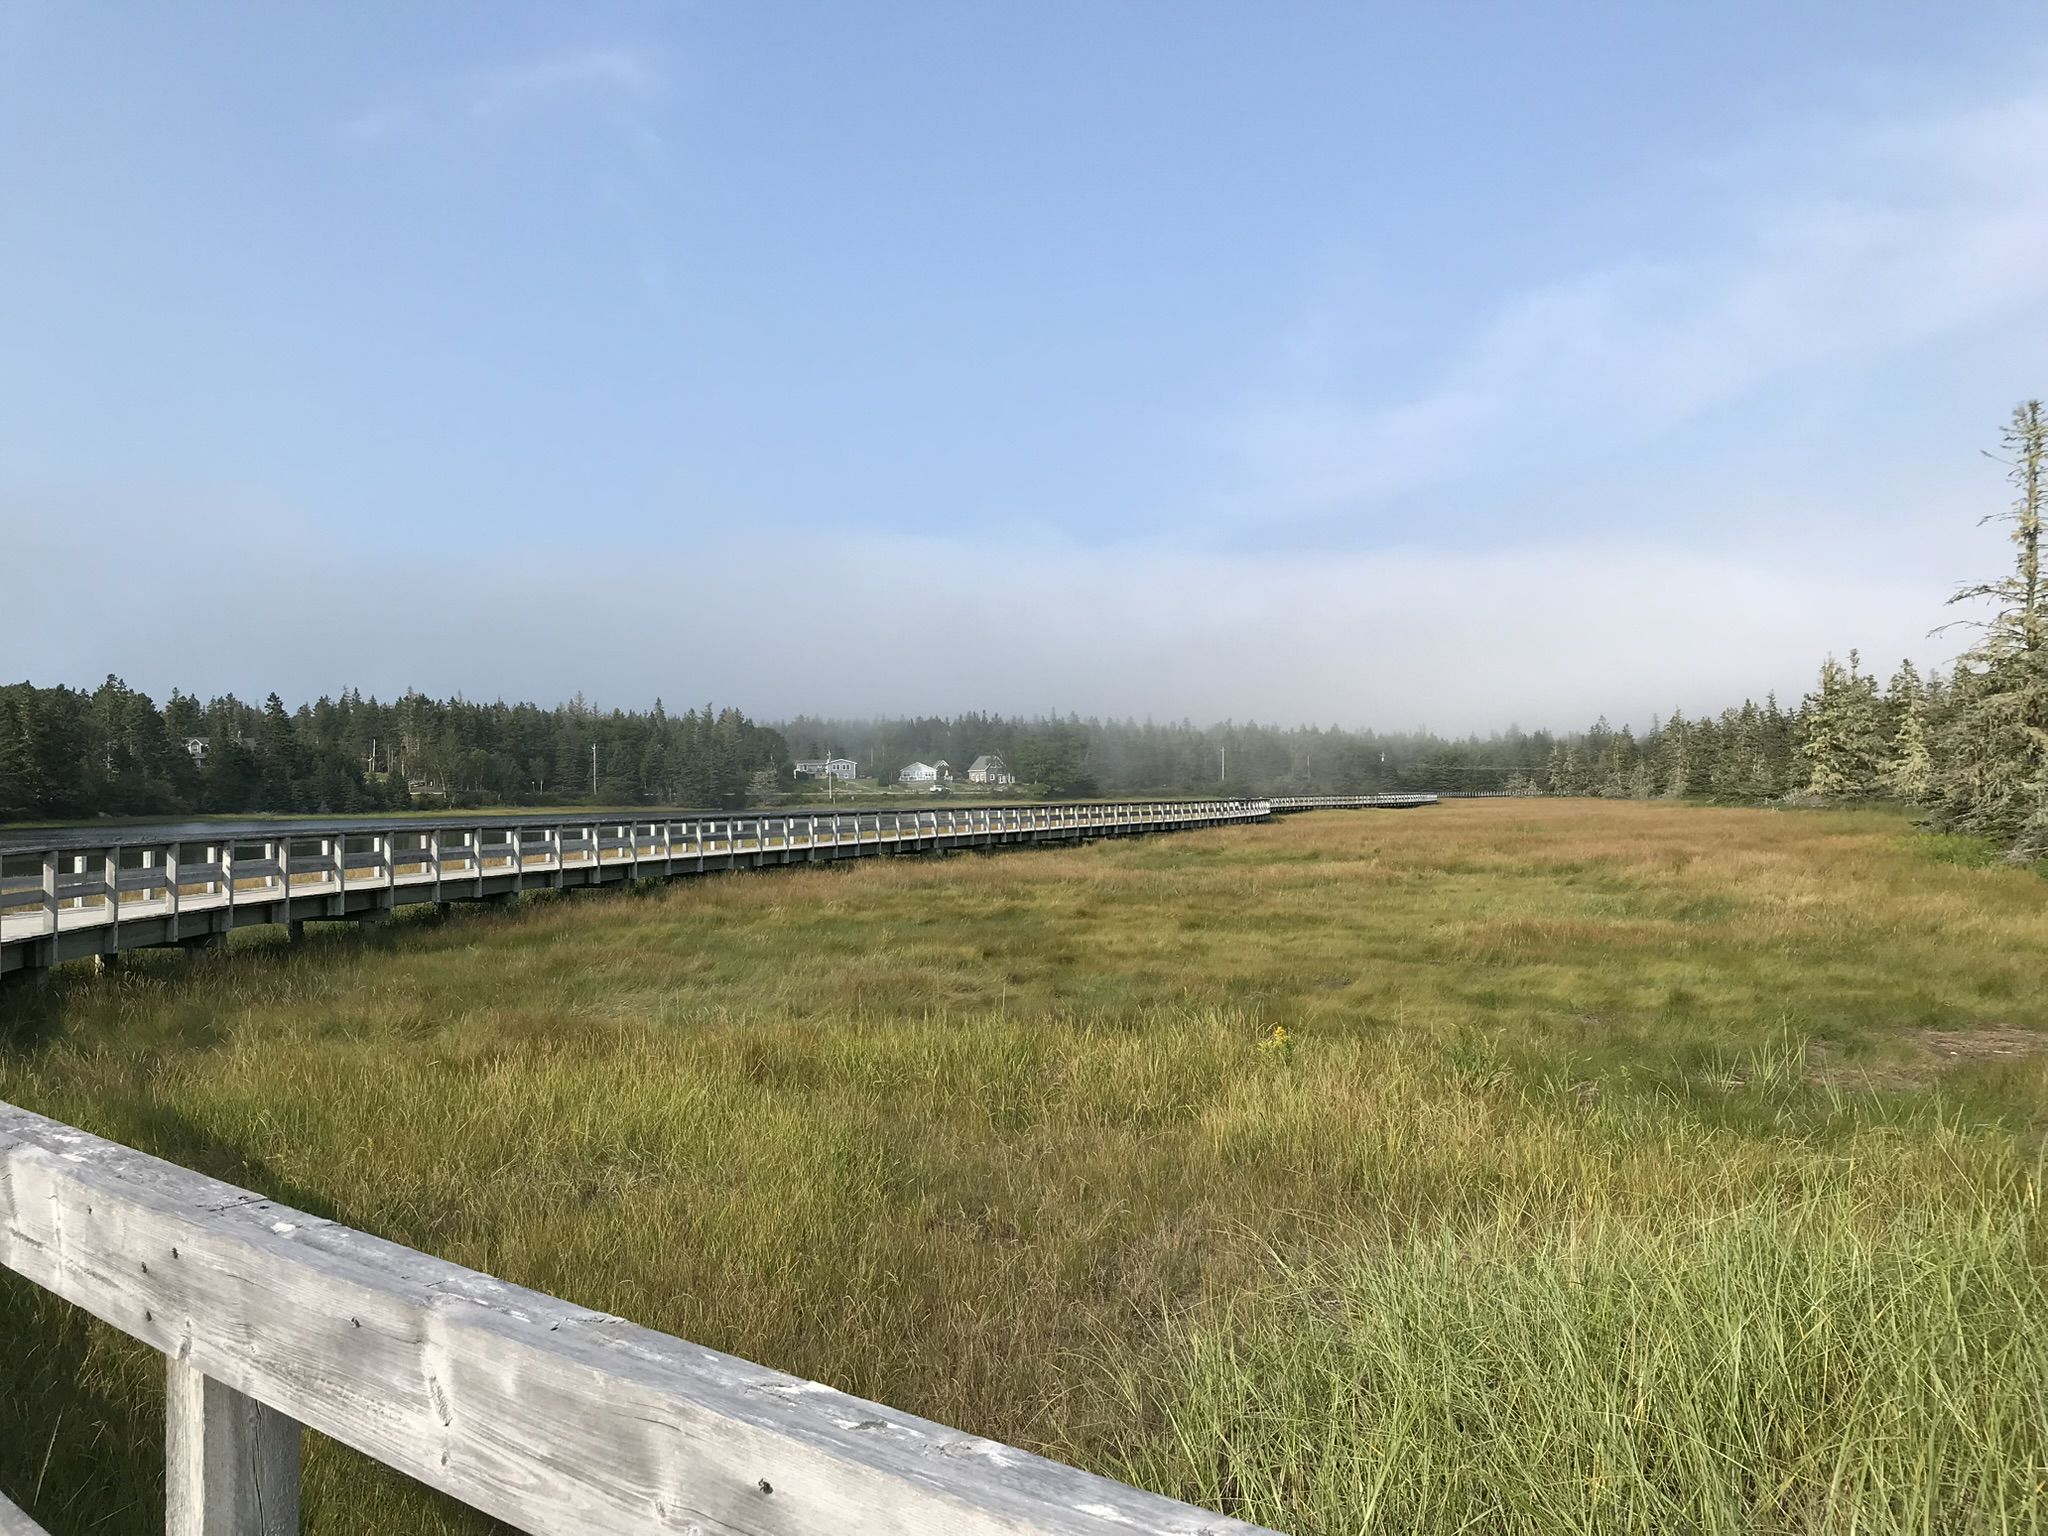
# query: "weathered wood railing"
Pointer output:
{"type": "Point", "coordinates": [559, 1420]}
{"type": "Point", "coordinates": [87, 894]}
{"type": "Point", "coordinates": [1349, 802]}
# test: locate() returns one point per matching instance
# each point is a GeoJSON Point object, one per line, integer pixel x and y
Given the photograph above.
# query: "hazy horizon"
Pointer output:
{"type": "Point", "coordinates": [1415, 369]}
{"type": "Point", "coordinates": [255, 696]}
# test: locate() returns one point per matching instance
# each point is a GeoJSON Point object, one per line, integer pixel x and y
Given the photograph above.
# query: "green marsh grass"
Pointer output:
{"type": "Point", "coordinates": [1620, 1167]}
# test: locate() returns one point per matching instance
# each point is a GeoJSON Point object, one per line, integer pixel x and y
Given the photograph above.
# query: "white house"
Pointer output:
{"type": "Point", "coordinates": [990, 769]}
{"type": "Point", "coordinates": [195, 748]}
{"type": "Point", "coordinates": [826, 768]}
{"type": "Point", "coordinates": [926, 773]}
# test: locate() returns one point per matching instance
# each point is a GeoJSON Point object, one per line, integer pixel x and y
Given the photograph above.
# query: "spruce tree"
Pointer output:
{"type": "Point", "coordinates": [1739, 772]}
{"type": "Point", "coordinates": [1995, 777]}
{"type": "Point", "coordinates": [1909, 760]}
{"type": "Point", "coordinates": [1841, 732]}
{"type": "Point", "coordinates": [1909, 773]}
{"type": "Point", "coordinates": [1675, 756]}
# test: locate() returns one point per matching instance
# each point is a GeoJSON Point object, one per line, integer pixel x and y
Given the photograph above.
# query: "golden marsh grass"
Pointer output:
{"type": "Point", "coordinates": [1601, 1179]}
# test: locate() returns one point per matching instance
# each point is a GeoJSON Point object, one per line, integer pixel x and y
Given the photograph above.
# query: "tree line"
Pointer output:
{"type": "Point", "coordinates": [111, 750]}
{"type": "Point", "coordinates": [1970, 744]}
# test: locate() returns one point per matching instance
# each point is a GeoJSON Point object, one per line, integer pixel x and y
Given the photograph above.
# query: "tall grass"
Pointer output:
{"type": "Point", "coordinates": [1774, 1368]}
{"type": "Point", "coordinates": [1576, 1106]}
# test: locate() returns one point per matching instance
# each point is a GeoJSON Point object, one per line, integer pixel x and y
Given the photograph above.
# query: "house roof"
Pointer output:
{"type": "Point", "coordinates": [987, 760]}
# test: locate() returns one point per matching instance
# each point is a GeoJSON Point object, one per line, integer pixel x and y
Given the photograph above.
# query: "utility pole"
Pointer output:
{"type": "Point", "coordinates": [593, 770]}
{"type": "Point", "coordinates": [1223, 765]}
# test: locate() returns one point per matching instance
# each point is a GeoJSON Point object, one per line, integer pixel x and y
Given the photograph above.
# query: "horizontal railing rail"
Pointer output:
{"type": "Point", "coordinates": [557, 1419]}
{"type": "Point", "coordinates": [1390, 802]}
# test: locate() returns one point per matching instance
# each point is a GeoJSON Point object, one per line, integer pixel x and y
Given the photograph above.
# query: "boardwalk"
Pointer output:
{"type": "Point", "coordinates": [78, 893]}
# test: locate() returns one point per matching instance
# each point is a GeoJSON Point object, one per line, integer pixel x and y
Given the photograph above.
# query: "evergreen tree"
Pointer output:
{"type": "Point", "coordinates": [21, 783]}
{"type": "Point", "coordinates": [1738, 771]}
{"type": "Point", "coordinates": [1909, 761]}
{"type": "Point", "coordinates": [1674, 756]}
{"type": "Point", "coordinates": [1841, 734]}
{"type": "Point", "coordinates": [1557, 773]}
{"type": "Point", "coordinates": [1994, 776]}
{"type": "Point", "coordinates": [1910, 771]}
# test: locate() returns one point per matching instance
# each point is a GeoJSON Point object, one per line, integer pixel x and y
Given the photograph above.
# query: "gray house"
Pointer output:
{"type": "Point", "coordinates": [990, 769]}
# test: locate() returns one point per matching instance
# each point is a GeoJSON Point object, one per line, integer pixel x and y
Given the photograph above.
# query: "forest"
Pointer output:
{"type": "Point", "coordinates": [1970, 744]}
{"type": "Point", "coordinates": [112, 751]}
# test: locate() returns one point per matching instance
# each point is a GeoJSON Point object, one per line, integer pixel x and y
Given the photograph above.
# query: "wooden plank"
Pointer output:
{"type": "Point", "coordinates": [15, 1522]}
{"type": "Point", "coordinates": [558, 1419]}
{"type": "Point", "coordinates": [231, 1465]}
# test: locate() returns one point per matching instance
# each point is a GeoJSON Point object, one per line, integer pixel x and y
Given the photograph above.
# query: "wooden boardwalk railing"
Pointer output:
{"type": "Point", "coordinates": [1350, 802]}
{"type": "Point", "coordinates": [89, 894]}
{"type": "Point", "coordinates": [556, 1419]}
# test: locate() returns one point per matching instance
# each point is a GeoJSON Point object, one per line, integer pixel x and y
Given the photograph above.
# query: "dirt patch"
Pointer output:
{"type": "Point", "coordinates": [1931, 1052]}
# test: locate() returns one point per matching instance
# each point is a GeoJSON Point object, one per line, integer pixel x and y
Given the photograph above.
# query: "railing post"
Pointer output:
{"type": "Point", "coordinates": [171, 891]}
{"type": "Point", "coordinates": [111, 869]}
{"type": "Point", "coordinates": [231, 1465]}
{"type": "Point", "coordinates": [50, 891]}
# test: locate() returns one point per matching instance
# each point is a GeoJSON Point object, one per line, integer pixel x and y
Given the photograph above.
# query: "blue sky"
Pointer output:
{"type": "Point", "coordinates": [1397, 365]}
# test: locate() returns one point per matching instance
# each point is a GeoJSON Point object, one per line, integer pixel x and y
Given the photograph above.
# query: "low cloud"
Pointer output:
{"type": "Point", "coordinates": [600, 72]}
{"type": "Point", "coordinates": [620, 82]}
{"type": "Point", "coordinates": [1845, 244]}
{"type": "Point", "coordinates": [1392, 638]}
{"type": "Point", "coordinates": [378, 125]}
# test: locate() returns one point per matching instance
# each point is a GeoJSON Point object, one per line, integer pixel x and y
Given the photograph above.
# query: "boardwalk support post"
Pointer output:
{"type": "Point", "coordinates": [231, 1465]}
